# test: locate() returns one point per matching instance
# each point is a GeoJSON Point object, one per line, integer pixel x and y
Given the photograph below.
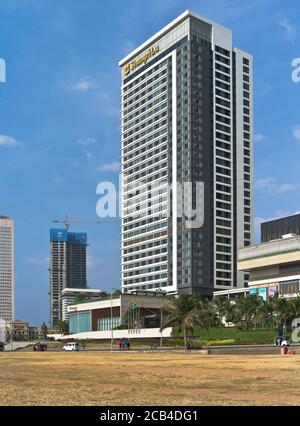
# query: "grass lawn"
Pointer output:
{"type": "Point", "coordinates": [232, 336]}
{"type": "Point", "coordinates": [147, 379]}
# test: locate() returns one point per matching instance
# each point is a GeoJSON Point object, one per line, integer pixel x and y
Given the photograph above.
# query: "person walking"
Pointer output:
{"type": "Point", "coordinates": [125, 344]}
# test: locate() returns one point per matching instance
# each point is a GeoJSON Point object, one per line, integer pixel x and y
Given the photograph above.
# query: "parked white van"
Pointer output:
{"type": "Point", "coordinates": [71, 346]}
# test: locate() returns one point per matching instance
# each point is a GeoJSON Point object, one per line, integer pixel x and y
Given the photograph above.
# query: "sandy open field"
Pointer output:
{"type": "Point", "coordinates": [148, 379]}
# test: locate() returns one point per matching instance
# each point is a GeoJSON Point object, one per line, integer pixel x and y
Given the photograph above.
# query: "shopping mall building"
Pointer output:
{"type": "Point", "coordinates": [273, 265]}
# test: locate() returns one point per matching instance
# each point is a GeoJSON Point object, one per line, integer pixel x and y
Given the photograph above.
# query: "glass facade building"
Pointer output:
{"type": "Point", "coordinates": [67, 267]}
{"type": "Point", "coordinates": [186, 117]}
{"type": "Point", "coordinates": [105, 323]}
{"type": "Point", "coordinates": [80, 322]}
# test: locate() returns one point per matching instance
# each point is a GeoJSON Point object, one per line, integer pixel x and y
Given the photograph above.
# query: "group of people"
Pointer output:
{"type": "Point", "coordinates": [281, 341]}
{"type": "Point", "coordinates": [124, 344]}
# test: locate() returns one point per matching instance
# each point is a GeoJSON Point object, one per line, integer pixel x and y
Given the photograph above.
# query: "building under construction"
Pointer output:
{"type": "Point", "coordinates": [67, 267]}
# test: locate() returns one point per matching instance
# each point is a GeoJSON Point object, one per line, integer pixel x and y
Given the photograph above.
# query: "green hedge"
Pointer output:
{"type": "Point", "coordinates": [230, 335]}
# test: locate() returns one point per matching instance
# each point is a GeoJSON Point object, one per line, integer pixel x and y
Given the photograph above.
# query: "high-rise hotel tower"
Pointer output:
{"type": "Point", "coordinates": [186, 117]}
{"type": "Point", "coordinates": [7, 270]}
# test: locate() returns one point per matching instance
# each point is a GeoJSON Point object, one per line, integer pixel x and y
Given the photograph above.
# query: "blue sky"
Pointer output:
{"type": "Point", "coordinates": [59, 117]}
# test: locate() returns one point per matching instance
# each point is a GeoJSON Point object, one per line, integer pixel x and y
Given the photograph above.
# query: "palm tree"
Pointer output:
{"type": "Point", "coordinates": [279, 311]}
{"type": "Point", "coordinates": [283, 311]}
{"type": "Point", "coordinates": [206, 311]}
{"type": "Point", "coordinates": [294, 309]}
{"type": "Point", "coordinates": [220, 308]}
{"type": "Point", "coordinates": [232, 315]}
{"type": "Point", "coordinates": [184, 311]}
{"type": "Point", "coordinates": [265, 313]}
{"type": "Point", "coordinates": [245, 311]}
{"type": "Point", "coordinates": [268, 311]}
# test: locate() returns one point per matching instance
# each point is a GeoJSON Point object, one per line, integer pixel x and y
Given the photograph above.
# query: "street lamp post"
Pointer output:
{"type": "Point", "coordinates": [111, 321]}
{"type": "Point", "coordinates": [12, 335]}
{"type": "Point", "coordinates": [161, 318]}
{"type": "Point", "coordinates": [50, 298]}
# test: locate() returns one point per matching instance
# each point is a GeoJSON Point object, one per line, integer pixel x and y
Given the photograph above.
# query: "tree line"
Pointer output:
{"type": "Point", "coordinates": [186, 311]}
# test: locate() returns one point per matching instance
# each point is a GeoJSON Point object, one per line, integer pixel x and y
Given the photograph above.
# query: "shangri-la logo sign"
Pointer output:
{"type": "Point", "coordinates": [131, 66]}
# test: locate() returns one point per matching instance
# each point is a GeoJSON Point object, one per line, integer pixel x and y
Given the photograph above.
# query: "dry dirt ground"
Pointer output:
{"type": "Point", "coordinates": [148, 379]}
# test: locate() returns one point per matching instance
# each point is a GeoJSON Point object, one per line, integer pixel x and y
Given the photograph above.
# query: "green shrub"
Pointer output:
{"type": "Point", "coordinates": [230, 335]}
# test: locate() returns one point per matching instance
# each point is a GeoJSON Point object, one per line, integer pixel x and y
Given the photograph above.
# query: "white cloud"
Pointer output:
{"type": "Point", "coordinates": [86, 141]}
{"type": "Point", "coordinates": [9, 141]}
{"type": "Point", "coordinates": [104, 101]}
{"type": "Point", "coordinates": [258, 137]}
{"type": "Point", "coordinates": [110, 167]}
{"type": "Point", "coordinates": [296, 133]}
{"type": "Point", "coordinates": [288, 187]}
{"type": "Point", "coordinates": [266, 183]}
{"type": "Point", "coordinates": [271, 184]}
{"type": "Point", "coordinates": [289, 29]}
{"type": "Point", "coordinates": [84, 84]}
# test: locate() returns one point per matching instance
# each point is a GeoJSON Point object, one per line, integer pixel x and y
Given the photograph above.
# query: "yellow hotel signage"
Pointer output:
{"type": "Point", "coordinates": [131, 66]}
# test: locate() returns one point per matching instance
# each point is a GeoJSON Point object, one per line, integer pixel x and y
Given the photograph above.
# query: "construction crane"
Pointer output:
{"type": "Point", "coordinates": [68, 222]}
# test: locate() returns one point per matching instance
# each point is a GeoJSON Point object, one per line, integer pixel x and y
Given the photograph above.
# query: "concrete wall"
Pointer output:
{"type": "Point", "coordinates": [117, 334]}
{"type": "Point", "coordinates": [263, 262]}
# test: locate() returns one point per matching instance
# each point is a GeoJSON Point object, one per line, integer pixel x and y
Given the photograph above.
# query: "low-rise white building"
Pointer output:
{"type": "Point", "coordinates": [136, 311]}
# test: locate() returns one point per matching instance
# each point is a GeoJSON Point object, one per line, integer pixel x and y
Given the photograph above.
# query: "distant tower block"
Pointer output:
{"type": "Point", "coordinates": [7, 269]}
